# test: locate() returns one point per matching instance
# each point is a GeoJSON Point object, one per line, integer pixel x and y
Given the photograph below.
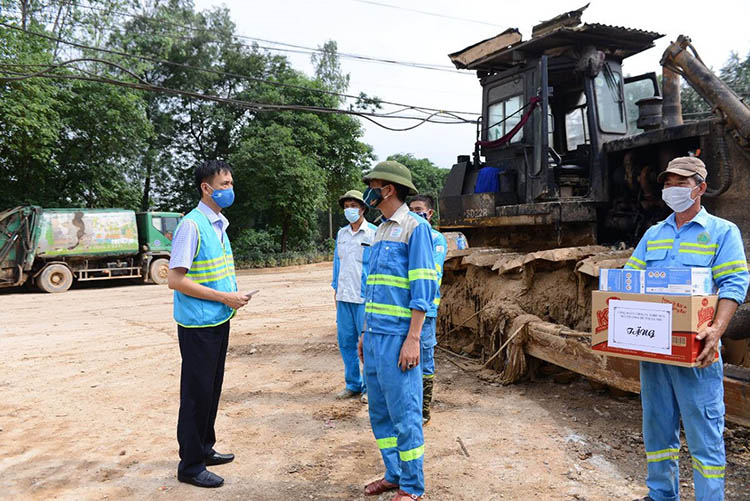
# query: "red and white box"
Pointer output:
{"type": "Point", "coordinates": [690, 314]}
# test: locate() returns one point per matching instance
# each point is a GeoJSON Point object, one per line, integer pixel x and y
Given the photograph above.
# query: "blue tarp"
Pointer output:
{"type": "Point", "coordinates": [488, 180]}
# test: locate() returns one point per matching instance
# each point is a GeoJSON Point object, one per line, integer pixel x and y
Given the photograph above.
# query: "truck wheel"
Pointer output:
{"type": "Point", "coordinates": [55, 278]}
{"type": "Point", "coordinates": [158, 271]}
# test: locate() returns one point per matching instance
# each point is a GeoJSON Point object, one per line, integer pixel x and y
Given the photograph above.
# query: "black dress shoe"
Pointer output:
{"type": "Point", "coordinates": [217, 458]}
{"type": "Point", "coordinates": [202, 479]}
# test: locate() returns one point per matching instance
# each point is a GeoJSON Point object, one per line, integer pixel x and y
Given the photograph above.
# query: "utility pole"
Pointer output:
{"type": "Point", "coordinates": [330, 223]}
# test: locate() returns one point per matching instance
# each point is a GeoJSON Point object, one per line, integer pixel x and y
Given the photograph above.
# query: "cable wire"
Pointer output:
{"type": "Point", "coordinates": [82, 46]}
{"type": "Point", "coordinates": [299, 48]}
{"type": "Point", "coordinates": [254, 106]}
{"type": "Point", "coordinates": [435, 14]}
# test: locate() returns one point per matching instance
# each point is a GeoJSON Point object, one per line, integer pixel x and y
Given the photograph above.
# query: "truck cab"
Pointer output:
{"type": "Point", "coordinates": [155, 231]}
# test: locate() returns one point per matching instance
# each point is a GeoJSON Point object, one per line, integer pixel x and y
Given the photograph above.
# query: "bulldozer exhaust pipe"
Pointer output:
{"type": "Point", "coordinates": [671, 108]}
{"type": "Point", "coordinates": [678, 59]}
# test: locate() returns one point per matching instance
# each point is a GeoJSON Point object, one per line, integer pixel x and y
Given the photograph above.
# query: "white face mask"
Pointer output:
{"type": "Point", "coordinates": [351, 214]}
{"type": "Point", "coordinates": [678, 197]}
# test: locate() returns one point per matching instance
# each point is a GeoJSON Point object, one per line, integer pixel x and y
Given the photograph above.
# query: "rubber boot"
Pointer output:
{"type": "Point", "coordinates": [426, 399]}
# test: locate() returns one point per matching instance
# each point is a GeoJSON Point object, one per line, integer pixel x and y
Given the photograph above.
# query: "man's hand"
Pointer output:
{"type": "Point", "coordinates": [711, 335]}
{"type": "Point", "coordinates": [235, 300]}
{"type": "Point", "coordinates": [409, 356]}
{"type": "Point", "coordinates": [334, 296]}
{"type": "Point", "coordinates": [713, 332]}
{"type": "Point", "coordinates": [360, 350]}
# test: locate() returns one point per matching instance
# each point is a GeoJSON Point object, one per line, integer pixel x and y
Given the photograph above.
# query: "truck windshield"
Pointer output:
{"type": "Point", "coordinates": [165, 225]}
{"type": "Point", "coordinates": [503, 116]}
{"type": "Point", "coordinates": [609, 101]}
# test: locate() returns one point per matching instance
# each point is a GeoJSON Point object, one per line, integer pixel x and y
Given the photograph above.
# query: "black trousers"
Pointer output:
{"type": "Point", "coordinates": [204, 351]}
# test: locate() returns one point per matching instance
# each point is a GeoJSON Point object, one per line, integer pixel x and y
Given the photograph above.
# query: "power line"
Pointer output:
{"type": "Point", "coordinates": [426, 13]}
{"type": "Point", "coordinates": [291, 48]}
{"type": "Point", "coordinates": [253, 106]}
{"type": "Point", "coordinates": [79, 45]}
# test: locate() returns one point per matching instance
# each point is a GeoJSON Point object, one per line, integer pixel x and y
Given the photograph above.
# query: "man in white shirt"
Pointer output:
{"type": "Point", "coordinates": [350, 267]}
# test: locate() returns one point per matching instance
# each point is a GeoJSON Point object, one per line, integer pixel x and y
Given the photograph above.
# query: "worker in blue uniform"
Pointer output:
{"type": "Point", "coordinates": [422, 205]}
{"type": "Point", "coordinates": [201, 273]}
{"type": "Point", "coordinates": [401, 286]}
{"type": "Point", "coordinates": [350, 266]}
{"type": "Point", "coordinates": [690, 237]}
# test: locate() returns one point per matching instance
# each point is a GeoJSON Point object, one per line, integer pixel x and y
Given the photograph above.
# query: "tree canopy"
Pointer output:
{"type": "Point", "coordinates": [70, 142]}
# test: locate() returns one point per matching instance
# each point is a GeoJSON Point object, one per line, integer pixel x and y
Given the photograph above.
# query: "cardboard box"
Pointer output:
{"type": "Point", "coordinates": [684, 281]}
{"type": "Point", "coordinates": [618, 280]}
{"type": "Point", "coordinates": [689, 315]}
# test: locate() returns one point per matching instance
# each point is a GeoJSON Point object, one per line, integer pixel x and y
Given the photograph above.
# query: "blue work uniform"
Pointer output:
{"type": "Point", "coordinates": [402, 278]}
{"type": "Point", "coordinates": [429, 339]}
{"type": "Point", "coordinates": [350, 266]}
{"type": "Point", "coordinates": [697, 395]}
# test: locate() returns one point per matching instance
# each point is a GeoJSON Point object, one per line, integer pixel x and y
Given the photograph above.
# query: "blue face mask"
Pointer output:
{"type": "Point", "coordinates": [373, 196]}
{"type": "Point", "coordinates": [351, 214]}
{"type": "Point", "coordinates": [423, 214]}
{"type": "Point", "coordinates": [223, 198]}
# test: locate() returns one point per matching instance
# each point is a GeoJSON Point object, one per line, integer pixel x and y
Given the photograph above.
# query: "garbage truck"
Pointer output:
{"type": "Point", "coordinates": [50, 248]}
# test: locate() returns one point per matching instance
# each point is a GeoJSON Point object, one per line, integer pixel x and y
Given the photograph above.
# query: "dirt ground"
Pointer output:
{"type": "Point", "coordinates": [89, 384]}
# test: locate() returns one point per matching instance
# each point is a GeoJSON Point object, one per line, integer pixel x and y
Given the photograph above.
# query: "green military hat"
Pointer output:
{"type": "Point", "coordinates": [353, 195]}
{"type": "Point", "coordinates": [393, 172]}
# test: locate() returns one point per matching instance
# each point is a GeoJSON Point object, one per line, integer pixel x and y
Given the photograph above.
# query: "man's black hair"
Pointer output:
{"type": "Point", "coordinates": [209, 169]}
{"type": "Point", "coordinates": [426, 199]}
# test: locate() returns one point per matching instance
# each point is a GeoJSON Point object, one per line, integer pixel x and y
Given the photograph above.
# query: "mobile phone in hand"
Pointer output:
{"type": "Point", "coordinates": [251, 294]}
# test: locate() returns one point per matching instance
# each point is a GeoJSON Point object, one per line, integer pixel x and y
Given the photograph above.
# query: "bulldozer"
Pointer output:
{"type": "Point", "coordinates": [562, 182]}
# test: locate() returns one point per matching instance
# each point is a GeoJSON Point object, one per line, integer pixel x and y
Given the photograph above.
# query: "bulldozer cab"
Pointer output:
{"type": "Point", "coordinates": [548, 106]}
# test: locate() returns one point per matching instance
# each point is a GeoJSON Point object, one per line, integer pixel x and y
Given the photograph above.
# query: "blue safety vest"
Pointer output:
{"type": "Point", "coordinates": [439, 250]}
{"type": "Point", "coordinates": [213, 266]}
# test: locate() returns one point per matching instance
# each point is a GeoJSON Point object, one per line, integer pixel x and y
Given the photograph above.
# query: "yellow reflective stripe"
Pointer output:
{"type": "Point", "coordinates": [633, 258]}
{"type": "Point", "coordinates": [209, 262]}
{"type": "Point", "coordinates": [438, 268]}
{"type": "Point", "coordinates": [214, 278]}
{"type": "Point", "coordinates": [387, 442]}
{"type": "Point", "coordinates": [208, 268]}
{"type": "Point", "coordinates": [662, 455]}
{"type": "Point", "coordinates": [705, 253]}
{"type": "Point", "coordinates": [411, 454]}
{"type": "Point", "coordinates": [653, 453]}
{"type": "Point", "coordinates": [209, 276]}
{"type": "Point", "coordinates": [664, 241]}
{"type": "Point", "coordinates": [436, 301]}
{"type": "Point", "coordinates": [635, 263]}
{"type": "Point", "coordinates": [197, 247]}
{"type": "Point", "coordinates": [708, 471]}
{"type": "Point", "coordinates": [428, 376]}
{"type": "Point", "coordinates": [422, 274]}
{"type": "Point", "coordinates": [729, 272]}
{"type": "Point", "coordinates": [387, 309]}
{"type": "Point", "coordinates": [658, 248]}
{"type": "Point", "coordinates": [728, 263]}
{"type": "Point", "coordinates": [392, 280]}
{"type": "Point", "coordinates": [700, 246]}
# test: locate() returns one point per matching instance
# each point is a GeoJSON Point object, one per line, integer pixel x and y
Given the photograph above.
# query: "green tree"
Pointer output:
{"type": "Point", "coordinates": [328, 68]}
{"type": "Point", "coordinates": [428, 178]}
{"type": "Point", "coordinates": [64, 142]}
{"type": "Point", "coordinates": [735, 73]}
{"type": "Point", "coordinates": [280, 180]}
